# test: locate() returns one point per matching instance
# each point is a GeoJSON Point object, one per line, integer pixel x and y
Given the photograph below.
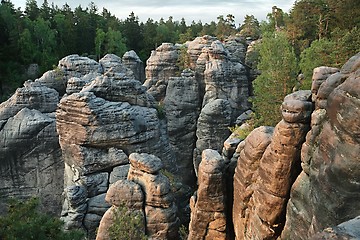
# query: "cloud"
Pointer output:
{"type": "Point", "coordinates": [196, 10]}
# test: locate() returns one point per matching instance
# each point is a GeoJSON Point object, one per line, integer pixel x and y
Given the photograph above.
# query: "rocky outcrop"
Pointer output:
{"type": "Point", "coordinates": [126, 197]}
{"type": "Point", "coordinates": [160, 66]}
{"type": "Point", "coordinates": [181, 106]}
{"type": "Point", "coordinates": [195, 48]}
{"type": "Point", "coordinates": [327, 191]}
{"type": "Point", "coordinates": [33, 95]}
{"type": "Point", "coordinates": [245, 176]}
{"type": "Point", "coordinates": [320, 74]}
{"type": "Point", "coordinates": [345, 231]}
{"type": "Point", "coordinates": [212, 128]}
{"type": "Point", "coordinates": [110, 117]}
{"type": "Point", "coordinates": [237, 47]}
{"type": "Point", "coordinates": [30, 155]}
{"type": "Point", "coordinates": [208, 205]}
{"type": "Point", "coordinates": [266, 170]}
{"type": "Point", "coordinates": [225, 79]}
{"type": "Point", "coordinates": [160, 209]}
{"type": "Point", "coordinates": [132, 61]}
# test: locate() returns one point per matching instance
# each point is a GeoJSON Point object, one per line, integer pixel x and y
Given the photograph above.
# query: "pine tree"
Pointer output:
{"type": "Point", "coordinates": [278, 66]}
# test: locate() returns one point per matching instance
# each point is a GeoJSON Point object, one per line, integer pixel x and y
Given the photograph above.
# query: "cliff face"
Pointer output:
{"type": "Point", "coordinates": [327, 191]}
{"type": "Point", "coordinates": [30, 155]}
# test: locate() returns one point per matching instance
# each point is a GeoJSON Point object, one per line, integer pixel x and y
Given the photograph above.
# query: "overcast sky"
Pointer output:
{"type": "Point", "coordinates": [204, 10]}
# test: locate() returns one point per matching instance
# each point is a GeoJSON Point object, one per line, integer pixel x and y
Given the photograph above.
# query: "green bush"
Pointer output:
{"type": "Point", "coordinates": [25, 221]}
{"type": "Point", "coordinates": [127, 225]}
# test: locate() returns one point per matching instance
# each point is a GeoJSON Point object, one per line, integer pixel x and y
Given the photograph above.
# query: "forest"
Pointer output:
{"type": "Point", "coordinates": [315, 32]}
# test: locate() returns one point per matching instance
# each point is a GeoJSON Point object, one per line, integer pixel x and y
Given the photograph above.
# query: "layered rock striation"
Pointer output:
{"type": "Point", "coordinates": [30, 155]}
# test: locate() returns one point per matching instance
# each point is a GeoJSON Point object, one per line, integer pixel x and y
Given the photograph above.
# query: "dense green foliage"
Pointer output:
{"type": "Point", "coordinates": [315, 33]}
{"type": "Point", "coordinates": [127, 225]}
{"type": "Point", "coordinates": [25, 221]}
{"type": "Point", "coordinates": [278, 66]}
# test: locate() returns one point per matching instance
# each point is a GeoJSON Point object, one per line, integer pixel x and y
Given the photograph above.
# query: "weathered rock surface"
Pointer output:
{"type": "Point", "coordinates": [208, 205]}
{"type": "Point", "coordinates": [33, 95]}
{"type": "Point", "coordinates": [181, 106]}
{"type": "Point", "coordinates": [212, 127]}
{"type": "Point", "coordinates": [195, 48]}
{"type": "Point", "coordinates": [320, 74]}
{"type": "Point", "coordinates": [76, 66]}
{"type": "Point", "coordinates": [132, 61]}
{"type": "Point", "coordinates": [30, 155]}
{"type": "Point", "coordinates": [160, 66]}
{"type": "Point", "coordinates": [226, 79]}
{"type": "Point", "coordinates": [246, 174]}
{"type": "Point", "coordinates": [237, 48]}
{"type": "Point", "coordinates": [160, 209]}
{"type": "Point", "coordinates": [110, 117]}
{"type": "Point", "coordinates": [267, 169]}
{"type": "Point", "coordinates": [327, 191]}
{"type": "Point", "coordinates": [121, 194]}
{"type": "Point", "coordinates": [348, 230]}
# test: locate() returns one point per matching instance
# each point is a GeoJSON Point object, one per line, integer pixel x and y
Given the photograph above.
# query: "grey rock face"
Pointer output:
{"type": "Point", "coordinates": [76, 66]}
{"type": "Point", "coordinates": [30, 157]}
{"type": "Point", "coordinates": [33, 95]}
{"type": "Point", "coordinates": [237, 48]}
{"type": "Point", "coordinates": [109, 117]}
{"type": "Point", "coordinates": [182, 110]}
{"type": "Point", "coordinates": [345, 231]}
{"type": "Point", "coordinates": [225, 79]}
{"type": "Point", "coordinates": [132, 61]}
{"type": "Point", "coordinates": [212, 128]}
{"type": "Point", "coordinates": [159, 68]}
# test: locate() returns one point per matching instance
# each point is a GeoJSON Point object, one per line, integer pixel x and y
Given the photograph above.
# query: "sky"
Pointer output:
{"type": "Point", "coordinates": [204, 10]}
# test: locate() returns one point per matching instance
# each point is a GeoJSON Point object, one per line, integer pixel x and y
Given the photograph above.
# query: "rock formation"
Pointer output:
{"type": "Point", "coordinates": [108, 119]}
{"type": "Point", "coordinates": [345, 231]}
{"type": "Point", "coordinates": [30, 156]}
{"type": "Point", "coordinates": [160, 209]}
{"type": "Point", "coordinates": [208, 205]}
{"type": "Point", "coordinates": [266, 170]}
{"type": "Point", "coordinates": [181, 106]}
{"type": "Point", "coordinates": [327, 191]}
{"type": "Point", "coordinates": [122, 194]}
{"type": "Point", "coordinates": [160, 66]}
{"type": "Point", "coordinates": [132, 61]}
{"type": "Point", "coordinates": [212, 128]}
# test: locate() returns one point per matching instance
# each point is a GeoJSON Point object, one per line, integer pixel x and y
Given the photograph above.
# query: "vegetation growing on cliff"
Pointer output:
{"type": "Point", "coordinates": [127, 225]}
{"type": "Point", "coordinates": [25, 221]}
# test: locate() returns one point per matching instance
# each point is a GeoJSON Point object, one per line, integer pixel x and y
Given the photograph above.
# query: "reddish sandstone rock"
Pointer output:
{"type": "Point", "coordinates": [327, 192]}
{"type": "Point", "coordinates": [208, 206]}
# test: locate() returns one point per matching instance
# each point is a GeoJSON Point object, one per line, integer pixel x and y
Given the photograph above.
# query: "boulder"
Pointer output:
{"type": "Point", "coordinates": [30, 159]}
